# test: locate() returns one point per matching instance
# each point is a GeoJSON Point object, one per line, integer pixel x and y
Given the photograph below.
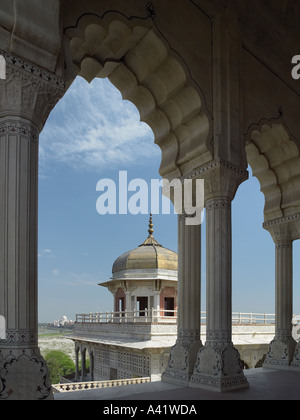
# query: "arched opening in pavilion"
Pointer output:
{"type": "Point", "coordinates": [274, 156]}
{"type": "Point", "coordinates": [253, 257]}
{"type": "Point", "coordinates": [139, 63]}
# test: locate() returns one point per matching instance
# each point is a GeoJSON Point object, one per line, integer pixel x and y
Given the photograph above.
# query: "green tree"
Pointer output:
{"type": "Point", "coordinates": [59, 364]}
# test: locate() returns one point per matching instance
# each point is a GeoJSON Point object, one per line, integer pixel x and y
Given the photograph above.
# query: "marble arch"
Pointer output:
{"type": "Point", "coordinates": [274, 156]}
{"type": "Point", "coordinates": [139, 62]}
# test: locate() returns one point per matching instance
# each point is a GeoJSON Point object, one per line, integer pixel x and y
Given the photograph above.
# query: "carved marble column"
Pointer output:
{"type": "Point", "coordinates": [218, 365]}
{"type": "Point", "coordinates": [282, 348]}
{"type": "Point", "coordinates": [27, 95]}
{"type": "Point", "coordinates": [183, 353]}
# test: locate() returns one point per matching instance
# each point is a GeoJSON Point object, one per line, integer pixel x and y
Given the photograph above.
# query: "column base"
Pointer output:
{"type": "Point", "coordinates": [280, 354]}
{"type": "Point", "coordinates": [295, 365]}
{"type": "Point", "coordinates": [181, 363]}
{"type": "Point", "coordinates": [218, 368]}
{"type": "Point", "coordinates": [24, 375]}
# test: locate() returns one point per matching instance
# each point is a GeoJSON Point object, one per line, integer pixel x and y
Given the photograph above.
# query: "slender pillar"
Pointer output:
{"type": "Point", "coordinates": [156, 301]}
{"type": "Point", "coordinates": [284, 288]}
{"type": "Point", "coordinates": [26, 97]}
{"type": "Point", "coordinates": [155, 356]}
{"type": "Point", "coordinates": [218, 260]}
{"type": "Point", "coordinates": [183, 353]}
{"type": "Point", "coordinates": [281, 350]}
{"type": "Point", "coordinates": [83, 364]}
{"type": "Point", "coordinates": [91, 356]}
{"type": "Point", "coordinates": [218, 364]}
{"type": "Point", "coordinates": [76, 363]}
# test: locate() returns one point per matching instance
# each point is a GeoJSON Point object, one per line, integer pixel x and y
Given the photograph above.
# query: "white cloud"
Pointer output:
{"type": "Point", "coordinates": [46, 252]}
{"type": "Point", "coordinates": [93, 127]}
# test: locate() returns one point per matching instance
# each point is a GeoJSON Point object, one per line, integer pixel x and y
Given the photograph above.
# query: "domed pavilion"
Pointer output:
{"type": "Point", "coordinates": [145, 278]}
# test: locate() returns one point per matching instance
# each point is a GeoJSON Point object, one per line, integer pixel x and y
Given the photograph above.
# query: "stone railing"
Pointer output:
{"type": "Point", "coordinates": [141, 316]}
{"type": "Point", "coordinates": [246, 318]}
{"type": "Point", "coordinates": [249, 318]}
{"type": "Point", "coordinates": [83, 386]}
{"type": "Point", "coordinates": [168, 316]}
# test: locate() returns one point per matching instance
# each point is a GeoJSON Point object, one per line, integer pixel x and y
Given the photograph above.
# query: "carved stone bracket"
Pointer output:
{"type": "Point", "coordinates": [28, 91]}
{"type": "Point", "coordinates": [221, 178]}
{"type": "Point", "coordinates": [284, 228]}
{"type": "Point", "coordinates": [17, 62]}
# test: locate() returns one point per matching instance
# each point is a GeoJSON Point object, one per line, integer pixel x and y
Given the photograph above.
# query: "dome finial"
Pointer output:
{"type": "Point", "coordinates": [150, 230]}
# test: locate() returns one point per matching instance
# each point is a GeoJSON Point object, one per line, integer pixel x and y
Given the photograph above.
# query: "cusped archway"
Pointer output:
{"type": "Point", "coordinates": [143, 67]}
{"type": "Point", "coordinates": [274, 156]}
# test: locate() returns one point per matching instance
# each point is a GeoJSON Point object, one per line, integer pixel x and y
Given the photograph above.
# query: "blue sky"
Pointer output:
{"type": "Point", "coordinates": [93, 134]}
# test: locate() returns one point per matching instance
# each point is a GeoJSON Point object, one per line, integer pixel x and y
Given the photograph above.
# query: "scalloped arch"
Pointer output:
{"type": "Point", "coordinates": [274, 156]}
{"type": "Point", "coordinates": [137, 61]}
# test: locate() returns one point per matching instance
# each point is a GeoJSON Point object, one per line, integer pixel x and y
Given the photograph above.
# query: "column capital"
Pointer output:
{"type": "Point", "coordinates": [218, 203]}
{"type": "Point", "coordinates": [221, 178]}
{"type": "Point", "coordinates": [28, 91]}
{"type": "Point", "coordinates": [18, 126]}
{"type": "Point", "coordinates": [285, 229]}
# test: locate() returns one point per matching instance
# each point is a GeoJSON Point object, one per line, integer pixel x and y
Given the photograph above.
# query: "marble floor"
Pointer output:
{"type": "Point", "coordinates": [264, 384]}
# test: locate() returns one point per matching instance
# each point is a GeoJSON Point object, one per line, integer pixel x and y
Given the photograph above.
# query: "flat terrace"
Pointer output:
{"type": "Point", "coordinates": [264, 384]}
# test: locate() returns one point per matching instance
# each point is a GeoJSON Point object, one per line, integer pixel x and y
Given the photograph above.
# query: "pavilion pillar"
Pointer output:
{"type": "Point", "coordinates": [218, 365]}
{"type": "Point", "coordinates": [83, 364]}
{"type": "Point", "coordinates": [282, 348]}
{"type": "Point", "coordinates": [91, 366]}
{"type": "Point", "coordinates": [26, 97]}
{"type": "Point", "coordinates": [183, 353]}
{"type": "Point", "coordinates": [76, 363]}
